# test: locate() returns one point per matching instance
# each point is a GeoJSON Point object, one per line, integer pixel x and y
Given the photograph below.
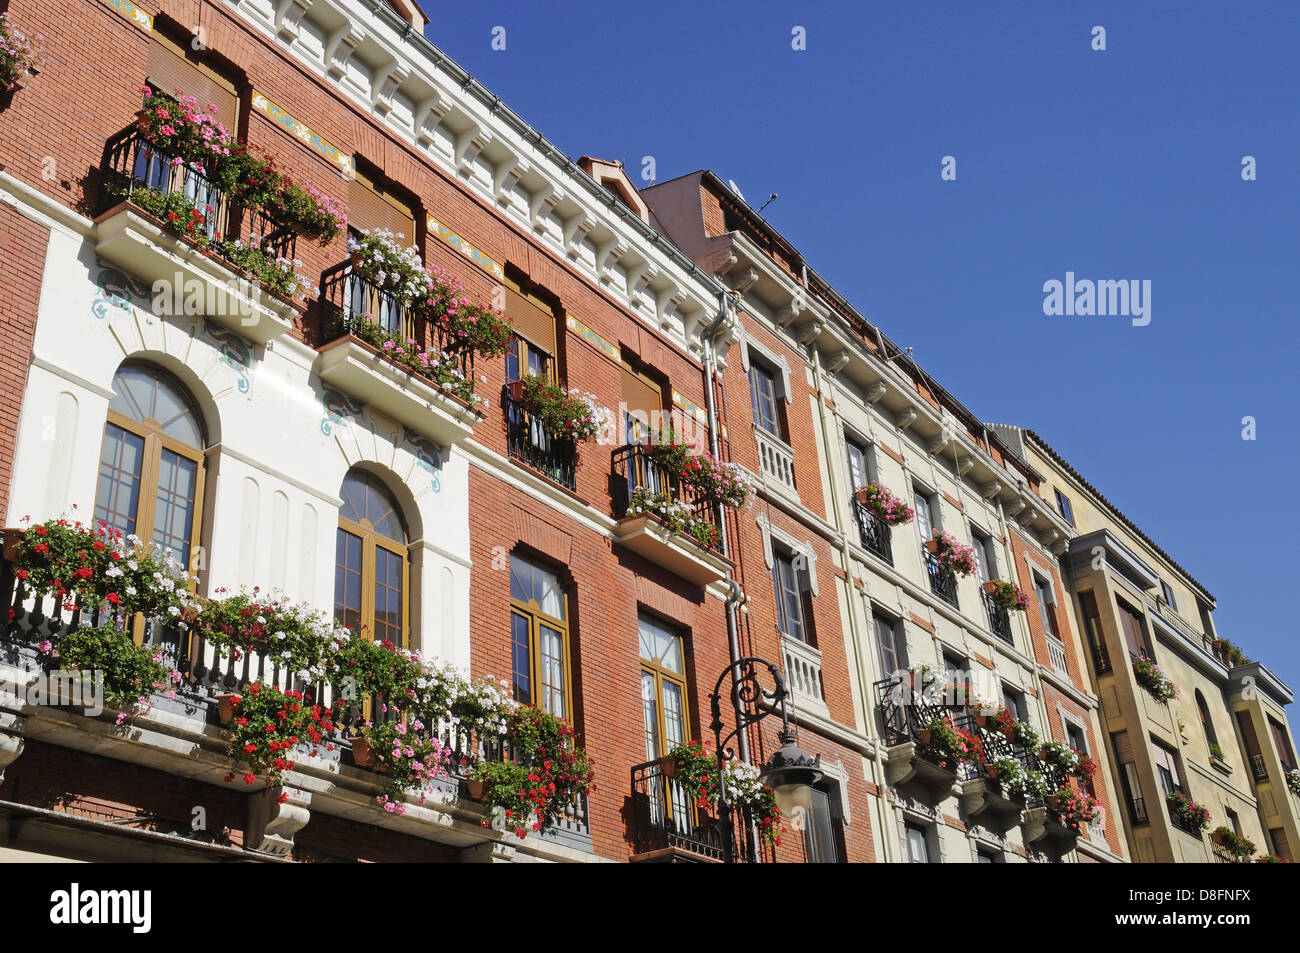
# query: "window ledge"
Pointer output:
{"type": "Point", "coordinates": [646, 536]}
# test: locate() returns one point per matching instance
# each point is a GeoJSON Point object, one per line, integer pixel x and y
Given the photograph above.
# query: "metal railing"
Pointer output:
{"type": "Point", "coordinates": [530, 442]}
{"type": "Point", "coordinates": [998, 616]}
{"type": "Point", "coordinates": [665, 815]}
{"type": "Point", "coordinates": [874, 533]}
{"type": "Point", "coordinates": [352, 304]}
{"type": "Point", "coordinates": [943, 581]}
{"type": "Point", "coordinates": [633, 467]}
{"type": "Point", "coordinates": [132, 165]}
{"type": "Point", "coordinates": [26, 622]}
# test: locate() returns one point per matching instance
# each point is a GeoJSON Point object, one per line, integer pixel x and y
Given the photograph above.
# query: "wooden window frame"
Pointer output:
{"type": "Point", "coordinates": [370, 541]}
{"type": "Point", "coordinates": [531, 611]}
{"type": "Point", "coordinates": [155, 441]}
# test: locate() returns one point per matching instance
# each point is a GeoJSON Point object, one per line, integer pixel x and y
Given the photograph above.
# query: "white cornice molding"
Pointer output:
{"type": "Point", "coordinates": [481, 119]}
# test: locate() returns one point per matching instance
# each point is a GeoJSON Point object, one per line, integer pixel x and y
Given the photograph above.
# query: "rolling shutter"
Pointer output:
{"type": "Point", "coordinates": [530, 319]}
{"type": "Point", "coordinates": [370, 209]}
{"type": "Point", "coordinates": [171, 67]}
{"type": "Point", "coordinates": [641, 395]}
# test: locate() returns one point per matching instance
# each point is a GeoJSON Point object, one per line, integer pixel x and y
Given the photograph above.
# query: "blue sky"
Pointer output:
{"type": "Point", "coordinates": [1117, 164]}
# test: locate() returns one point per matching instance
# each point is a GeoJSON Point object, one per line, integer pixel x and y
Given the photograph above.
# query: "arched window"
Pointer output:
{"type": "Point", "coordinates": [539, 637]}
{"type": "Point", "coordinates": [370, 565]}
{"type": "Point", "coordinates": [1206, 724]}
{"type": "Point", "coordinates": [151, 463]}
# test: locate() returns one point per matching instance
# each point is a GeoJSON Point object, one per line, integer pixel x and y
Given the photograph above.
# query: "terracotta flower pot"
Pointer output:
{"type": "Point", "coordinates": [1053, 801]}
{"type": "Point", "coordinates": [991, 587]}
{"type": "Point", "coordinates": [992, 771]}
{"type": "Point", "coordinates": [190, 614]}
{"type": "Point", "coordinates": [933, 546]}
{"type": "Point", "coordinates": [356, 259]}
{"type": "Point", "coordinates": [982, 720]}
{"type": "Point", "coordinates": [12, 537]}
{"type": "Point", "coordinates": [668, 766]}
{"type": "Point", "coordinates": [924, 735]}
{"type": "Point", "coordinates": [476, 789]}
{"type": "Point", "coordinates": [516, 389]}
{"type": "Point", "coordinates": [226, 707]}
{"type": "Point", "coordinates": [362, 754]}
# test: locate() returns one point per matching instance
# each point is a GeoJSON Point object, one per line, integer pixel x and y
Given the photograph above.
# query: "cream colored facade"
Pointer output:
{"type": "Point", "coordinates": [1130, 599]}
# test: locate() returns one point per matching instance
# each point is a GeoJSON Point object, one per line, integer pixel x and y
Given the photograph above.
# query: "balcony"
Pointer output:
{"type": "Point", "coordinates": [1056, 654]}
{"type": "Point", "coordinates": [999, 617]}
{"type": "Point", "coordinates": [943, 581]}
{"type": "Point", "coordinates": [357, 316]}
{"type": "Point", "coordinates": [1258, 769]}
{"type": "Point", "coordinates": [180, 736]}
{"type": "Point", "coordinates": [904, 713]}
{"type": "Point", "coordinates": [667, 827]}
{"type": "Point", "coordinates": [803, 672]}
{"type": "Point", "coordinates": [776, 460]}
{"type": "Point", "coordinates": [529, 442]}
{"type": "Point", "coordinates": [692, 556]}
{"type": "Point", "coordinates": [874, 532]}
{"type": "Point", "coordinates": [201, 280]}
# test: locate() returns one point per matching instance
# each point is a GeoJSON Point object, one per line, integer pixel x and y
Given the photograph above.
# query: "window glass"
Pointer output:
{"type": "Point", "coordinates": [917, 852]}
{"type": "Point", "coordinates": [532, 583]}
{"type": "Point", "coordinates": [762, 392]}
{"type": "Point", "coordinates": [857, 459]}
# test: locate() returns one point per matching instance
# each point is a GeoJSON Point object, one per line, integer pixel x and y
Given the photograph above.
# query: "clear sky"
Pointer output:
{"type": "Point", "coordinates": [1119, 164]}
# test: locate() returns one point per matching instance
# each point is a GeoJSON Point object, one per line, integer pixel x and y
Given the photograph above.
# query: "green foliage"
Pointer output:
{"type": "Point", "coordinates": [130, 671]}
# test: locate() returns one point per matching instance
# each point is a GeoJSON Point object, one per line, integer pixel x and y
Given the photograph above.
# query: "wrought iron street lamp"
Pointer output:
{"type": "Point", "coordinates": [791, 772]}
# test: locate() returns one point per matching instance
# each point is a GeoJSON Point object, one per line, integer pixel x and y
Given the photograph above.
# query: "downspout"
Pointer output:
{"type": "Point", "coordinates": [735, 597]}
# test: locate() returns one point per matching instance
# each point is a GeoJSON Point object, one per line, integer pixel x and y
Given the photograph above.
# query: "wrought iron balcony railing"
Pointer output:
{"type": "Point", "coordinates": [998, 616]}
{"type": "Point", "coordinates": [632, 467]}
{"type": "Point", "coordinates": [133, 165]}
{"type": "Point", "coordinates": [531, 443]}
{"type": "Point", "coordinates": [26, 622]}
{"type": "Point", "coordinates": [943, 581]}
{"type": "Point", "coordinates": [354, 304]}
{"type": "Point", "coordinates": [666, 816]}
{"type": "Point", "coordinates": [874, 533]}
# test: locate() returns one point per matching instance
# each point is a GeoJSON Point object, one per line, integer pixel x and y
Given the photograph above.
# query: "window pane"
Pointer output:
{"type": "Point", "coordinates": [650, 716]}
{"type": "Point", "coordinates": [551, 650]}
{"type": "Point", "coordinates": [762, 391]}
{"type": "Point", "coordinates": [521, 659]}
{"type": "Point", "coordinates": [923, 515]}
{"type": "Point", "coordinates": [145, 393]}
{"type": "Point", "coordinates": [174, 508]}
{"type": "Point", "coordinates": [531, 583]}
{"type": "Point", "coordinates": [117, 497]}
{"type": "Point", "coordinates": [674, 714]}
{"type": "Point", "coordinates": [388, 597]}
{"type": "Point", "coordinates": [347, 581]}
{"type": "Point", "coordinates": [857, 465]}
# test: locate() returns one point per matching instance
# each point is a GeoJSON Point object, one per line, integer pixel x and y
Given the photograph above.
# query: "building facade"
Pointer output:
{"type": "Point", "coordinates": [299, 440]}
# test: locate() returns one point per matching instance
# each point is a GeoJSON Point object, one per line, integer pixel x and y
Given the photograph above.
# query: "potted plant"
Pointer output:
{"type": "Point", "coordinates": [130, 673]}
{"type": "Point", "coordinates": [269, 724]}
{"type": "Point", "coordinates": [363, 755]}
{"type": "Point", "coordinates": [1151, 678]}
{"type": "Point", "coordinates": [1059, 755]}
{"type": "Point", "coordinates": [572, 415]}
{"type": "Point", "coordinates": [951, 554]}
{"type": "Point", "coordinates": [1241, 848]}
{"type": "Point", "coordinates": [226, 703]}
{"type": "Point", "coordinates": [19, 56]}
{"type": "Point", "coordinates": [1007, 595]}
{"type": "Point", "coordinates": [881, 502]}
{"type": "Point", "coordinates": [695, 770]}
{"type": "Point", "coordinates": [1075, 807]}
{"type": "Point", "coordinates": [1193, 815]}
{"type": "Point", "coordinates": [1216, 751]}
{"type": "Point", "coordinates": [1293, 780]}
